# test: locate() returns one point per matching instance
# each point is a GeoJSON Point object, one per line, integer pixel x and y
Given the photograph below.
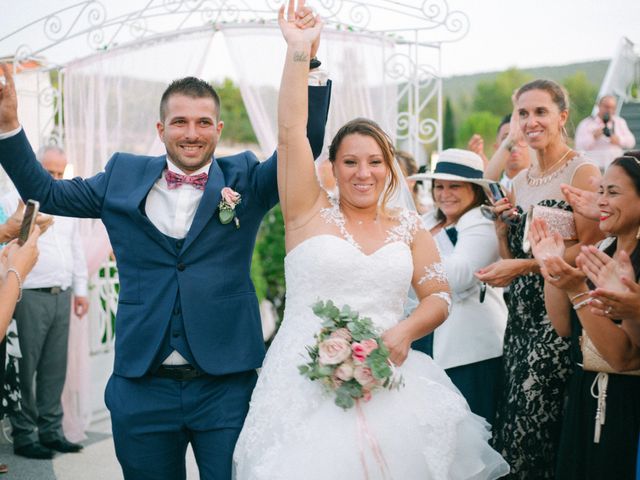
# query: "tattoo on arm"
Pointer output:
{"type": "Point", "coordinates": [300, 57]}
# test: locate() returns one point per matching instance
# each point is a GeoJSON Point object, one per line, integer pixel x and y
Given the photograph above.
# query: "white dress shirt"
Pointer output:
{"type": "Point", "coordinates": [61, 262]}
{"type": "Point", "coordinates": [172, 211]}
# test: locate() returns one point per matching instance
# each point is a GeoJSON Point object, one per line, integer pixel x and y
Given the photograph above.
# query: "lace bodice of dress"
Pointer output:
{"type": "Point", "coordinates": [332, 266]}
{"type": "Point", "coordinates": [527, 195]}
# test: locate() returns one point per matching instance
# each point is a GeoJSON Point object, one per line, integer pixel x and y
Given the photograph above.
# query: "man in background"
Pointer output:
{"type": "Point", "coordinates": [58, 280]}
{"type": "Point", "coordinates": [604, 136]}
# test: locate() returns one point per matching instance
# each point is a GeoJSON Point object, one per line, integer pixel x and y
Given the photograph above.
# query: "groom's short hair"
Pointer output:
{"type": "Point", "coordinates": [191, 87]}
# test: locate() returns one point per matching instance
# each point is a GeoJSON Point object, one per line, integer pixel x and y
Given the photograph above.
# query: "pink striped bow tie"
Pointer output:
{"type": "Point", "coordinates": [175, 180]}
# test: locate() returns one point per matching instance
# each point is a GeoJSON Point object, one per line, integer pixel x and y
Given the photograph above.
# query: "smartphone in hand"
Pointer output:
{"type": "Point", "coordinates": [28, 220]}
{"type": "Point", "coordinates": [495, 193]}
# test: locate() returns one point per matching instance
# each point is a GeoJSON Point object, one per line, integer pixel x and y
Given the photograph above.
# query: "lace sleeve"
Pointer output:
{"type": "Point", "coordinates": [410, 223]}
{"type": "Point", "coordinates": [429, 276]}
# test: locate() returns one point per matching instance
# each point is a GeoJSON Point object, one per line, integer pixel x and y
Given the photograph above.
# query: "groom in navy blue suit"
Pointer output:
{"type": "Point", "coordinates": [188, 331]}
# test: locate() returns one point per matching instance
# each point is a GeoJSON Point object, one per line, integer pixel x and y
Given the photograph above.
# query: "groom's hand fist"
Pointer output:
{"type": "Point", "coordinates": [8, 101]}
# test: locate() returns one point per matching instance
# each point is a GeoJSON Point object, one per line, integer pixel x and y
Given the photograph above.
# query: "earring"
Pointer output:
{"type": "Point", "coordinates": [565, 134]}
{"type": "Point", "coordinates": [638, 234]}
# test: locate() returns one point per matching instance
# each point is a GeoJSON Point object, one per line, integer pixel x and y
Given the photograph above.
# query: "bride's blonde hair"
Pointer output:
{"type": "Point", "coordinates": [364, 126]}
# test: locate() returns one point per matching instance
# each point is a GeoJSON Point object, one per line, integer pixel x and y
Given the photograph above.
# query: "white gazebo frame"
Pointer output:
{"type": "Point", "coordinates": [417, 28]}
{"type": "Point", "coordinates": [414, 27]}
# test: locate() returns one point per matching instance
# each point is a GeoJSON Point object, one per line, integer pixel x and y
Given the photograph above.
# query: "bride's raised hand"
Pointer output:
{"type": "Point", "coordinates": [305, 18]}
{"type": "Point", "coordinates": [296, 28]}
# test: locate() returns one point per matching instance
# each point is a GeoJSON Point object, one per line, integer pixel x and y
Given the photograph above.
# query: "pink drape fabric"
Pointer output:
{"type": "Point", "coordinates": [76, 396]}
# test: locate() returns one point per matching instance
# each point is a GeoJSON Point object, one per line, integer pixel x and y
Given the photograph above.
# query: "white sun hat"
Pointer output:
{"type": "Point", "coordinates": [455, 164]}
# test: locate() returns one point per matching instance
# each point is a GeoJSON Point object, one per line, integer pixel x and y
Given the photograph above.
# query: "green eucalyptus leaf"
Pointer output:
{"type": "Point", "coordinates": [226, 216]}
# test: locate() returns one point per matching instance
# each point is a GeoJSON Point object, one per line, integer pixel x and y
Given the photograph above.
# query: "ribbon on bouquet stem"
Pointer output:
{"type": "Point", "coordinates": [367, 437]}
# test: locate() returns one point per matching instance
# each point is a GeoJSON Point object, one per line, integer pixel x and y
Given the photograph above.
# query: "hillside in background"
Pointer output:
{"type": "Point", "coordinates": [461, 87]}
{"type": "Point", "coordinates": [474, 104]}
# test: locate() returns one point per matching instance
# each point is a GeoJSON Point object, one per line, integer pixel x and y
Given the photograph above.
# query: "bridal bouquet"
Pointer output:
{"type": "Point", "coordinates": [349, 357]}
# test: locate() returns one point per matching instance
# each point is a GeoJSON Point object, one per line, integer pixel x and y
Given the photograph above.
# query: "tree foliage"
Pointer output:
{"type": "Point", "coordinates": [237, 126]}
{"type": "Point", "coordinates": [270, 250]}
{"type": "Point", "coordinates": [482, 123]}
{"type": "Point", "coordinates": [448, 128]}
{"type": "Point", "coordinates": [582, 95]}
{"type": "Point", "coordinates": [494, 96]}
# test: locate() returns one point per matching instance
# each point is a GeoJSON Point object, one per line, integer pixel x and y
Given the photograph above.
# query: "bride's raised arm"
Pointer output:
{"type": "Point", "coordinates": [297, 182]}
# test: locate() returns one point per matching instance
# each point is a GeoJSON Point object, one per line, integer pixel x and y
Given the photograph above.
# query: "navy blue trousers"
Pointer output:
{"type": "Point", "coordinates": [480, 384]}
{"type": "Point", "coordinates": [154, 419]}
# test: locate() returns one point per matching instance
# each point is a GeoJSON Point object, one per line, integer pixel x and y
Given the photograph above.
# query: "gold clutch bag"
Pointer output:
{"type": "Point", "coordinates": [557, 220]}
{"type": "Point", "coordinates": [593, 361]}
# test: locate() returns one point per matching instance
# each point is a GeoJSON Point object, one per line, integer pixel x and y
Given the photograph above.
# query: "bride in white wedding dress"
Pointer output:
{"type": "Point", "coordinates": [354, 251]}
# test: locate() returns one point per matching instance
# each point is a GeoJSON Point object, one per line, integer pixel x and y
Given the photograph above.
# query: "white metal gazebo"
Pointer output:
{"type": "Point", "coordinates": [94, 72]}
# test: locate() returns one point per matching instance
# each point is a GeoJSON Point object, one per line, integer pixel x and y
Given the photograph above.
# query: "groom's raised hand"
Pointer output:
{"type": "Point", "coordinates": [8, 101]}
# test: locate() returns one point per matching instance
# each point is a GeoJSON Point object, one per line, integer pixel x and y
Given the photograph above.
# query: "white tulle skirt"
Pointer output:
{"type": "Point", "coordinates": [423, 431]}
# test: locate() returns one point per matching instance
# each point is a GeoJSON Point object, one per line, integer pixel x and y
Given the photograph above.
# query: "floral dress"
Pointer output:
{"type": "Point", "coordinates": [536, 360]}
{"type": "Point", "coordinates": [536, 369]}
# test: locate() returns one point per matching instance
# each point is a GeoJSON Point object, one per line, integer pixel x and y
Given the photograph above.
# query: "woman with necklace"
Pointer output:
{"type": "Point", "coordinates": [536, 358]}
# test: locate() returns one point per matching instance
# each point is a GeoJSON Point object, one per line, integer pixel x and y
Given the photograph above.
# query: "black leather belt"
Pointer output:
{"type": "Point", "coordinates": [51, 290]}
{"type": "Point", "coordinates": [178, 372]}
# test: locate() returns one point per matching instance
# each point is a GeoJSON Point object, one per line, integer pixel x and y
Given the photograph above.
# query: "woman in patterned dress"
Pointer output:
{"type": "Point", "coordinates": [536, 359]}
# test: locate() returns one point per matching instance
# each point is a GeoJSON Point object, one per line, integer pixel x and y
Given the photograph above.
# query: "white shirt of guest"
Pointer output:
{"type": "Point", "coordinates": [61, 262]}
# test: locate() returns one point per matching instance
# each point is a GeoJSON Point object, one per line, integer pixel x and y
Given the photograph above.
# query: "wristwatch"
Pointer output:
{"type": "Point", "coordinates": [314, 63]}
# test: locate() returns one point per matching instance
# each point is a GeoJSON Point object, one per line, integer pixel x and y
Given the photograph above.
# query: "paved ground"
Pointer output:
{"type": "Point", "coordinates": [96, 462]}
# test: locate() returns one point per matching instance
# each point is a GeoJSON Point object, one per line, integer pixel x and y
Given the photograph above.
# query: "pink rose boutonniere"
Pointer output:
{"type": "Point", "coordinates": [227, 206]}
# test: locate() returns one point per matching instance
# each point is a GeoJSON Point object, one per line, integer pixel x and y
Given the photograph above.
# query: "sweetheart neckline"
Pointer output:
{"type": "Point", "coordinates": [344, 240]}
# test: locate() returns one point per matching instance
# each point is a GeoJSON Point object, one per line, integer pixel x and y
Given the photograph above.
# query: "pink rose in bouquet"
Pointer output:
{"type": "Point", "coordinates": [342, 333]}
{"type": "Point", "coordinates": [361, 350]}
{"type": "Point", "coordinates": [366, 395]}
{"type": "Point", "coordinates": [344, 371]}
{"type": "Point", "coordinates": [364, 376]}
{"type": "Point", "coordinates": [333, 351]}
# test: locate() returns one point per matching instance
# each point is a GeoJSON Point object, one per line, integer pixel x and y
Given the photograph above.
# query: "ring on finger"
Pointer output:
{"type": "Point", "coordinates": [608, 310]}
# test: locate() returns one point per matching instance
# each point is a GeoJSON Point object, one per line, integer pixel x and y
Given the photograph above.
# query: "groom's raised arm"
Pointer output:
{"type": "Point", "coordinates": [77, 197]}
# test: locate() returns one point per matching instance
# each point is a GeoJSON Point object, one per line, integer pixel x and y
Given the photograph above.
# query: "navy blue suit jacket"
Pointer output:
{"type": "Point", "coordinates": [211, 270]}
